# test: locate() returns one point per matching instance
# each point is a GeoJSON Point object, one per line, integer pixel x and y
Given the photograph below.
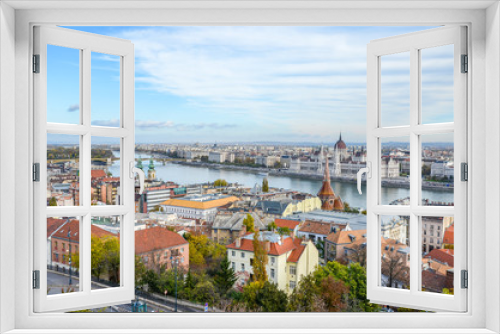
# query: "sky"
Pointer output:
{"type": "Point", "coordinates": [250, 84]}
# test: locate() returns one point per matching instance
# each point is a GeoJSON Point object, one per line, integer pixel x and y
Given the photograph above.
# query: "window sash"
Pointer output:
{"type": "Point", "coordinates": [414, 298]}
{"type": "Point", "coordinates": [86, 43]}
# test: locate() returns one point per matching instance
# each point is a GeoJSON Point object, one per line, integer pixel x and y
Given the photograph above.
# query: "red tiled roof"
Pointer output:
{"type": "Point", "coordinates": [312, 226]}
{"type": "Point", "coordinates": [296, 253]}
{"type": "Point", "coordinates": [74, 227]}
{"type": "Point", "coordinates": [111, 179]}
{"type": "Point", "coordinates": [53, 224]}
{"type": "Point", "coordinates": [345, 237]}
{"type": "Point", "coordinates": [449, 235]}
{"type": "Point", "coordinates": [96, 173]}
{"type": "Point", "coordinates": [432, 281]}
{"type": "Point", "coordinates": [156, 238]}
{"type": "Point", "coordinates": [291, 224]}
{"type": "Point", "coordinates": [274, 248]}
{"type": "Point", "coordinates": [445, 256]}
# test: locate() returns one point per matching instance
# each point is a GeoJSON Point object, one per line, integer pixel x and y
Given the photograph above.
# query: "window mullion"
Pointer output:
{"type": "Point", "coordinates": [414, 167]}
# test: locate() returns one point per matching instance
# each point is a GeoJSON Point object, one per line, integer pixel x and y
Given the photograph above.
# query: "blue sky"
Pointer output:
{"type": "Point", "coordinates": [250, 84]}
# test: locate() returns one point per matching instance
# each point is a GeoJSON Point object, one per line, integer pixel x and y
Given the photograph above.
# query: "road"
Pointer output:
{"type": "Point", "coordinates": [59, 283]}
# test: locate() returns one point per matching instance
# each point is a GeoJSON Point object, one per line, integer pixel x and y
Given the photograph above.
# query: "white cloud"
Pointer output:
{"type": "Point", "coordinates": [305, 78]}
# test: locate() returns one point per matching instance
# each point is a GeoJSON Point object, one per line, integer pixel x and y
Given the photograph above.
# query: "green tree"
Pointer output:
{"type": "Point", "coordinates": [112, 258]}
{"type": "Point", "coordinates": [284, 231]}
{"type": "Point", "coordinates": [264, 297]}
{"type": "Point", "coordinates": [220, 183]}
{"type": "Point", "coordinates": [354, 277]}
{"type": "Point", "coordinates": [265, 185]}
{"type": "Point", "coordinates": [248, 222]}
{"type": "Point", "coordinates": [53, 201]}
{"type": "Point", "coordinates": [272, 226]}
{"type": "Point", "coordinates": [225, 277]}
{"type": "Point", "coordinates": [140, 271]}
{"type": "Point", "coordinates": [260, 259]}
{"type": "Point", "coordinates": [304, 296]}
{"type": "Point", "coordinates": [98, 256]}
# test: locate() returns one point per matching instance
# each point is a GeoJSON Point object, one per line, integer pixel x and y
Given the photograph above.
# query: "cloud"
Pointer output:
{"type": "Point", "coordinates": [154, 124]}
{"type": "Point", "coordinates": [181, 126]}
{"type": "Point", "coordinates": [109, 122]}
{"type": "Point", "coordinates": [309, 79]}
{"type": "Point", "coordinates": [73, 108]}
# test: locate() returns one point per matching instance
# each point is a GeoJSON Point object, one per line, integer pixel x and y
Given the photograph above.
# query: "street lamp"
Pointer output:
{"type": "Point", "coordinates": [69, 249]}
{"type": "Point", "coordinates": [176, 262]}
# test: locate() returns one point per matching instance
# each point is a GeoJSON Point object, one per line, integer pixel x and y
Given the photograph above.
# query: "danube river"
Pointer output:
{"type": "Point", "coordinates": [184, 175]}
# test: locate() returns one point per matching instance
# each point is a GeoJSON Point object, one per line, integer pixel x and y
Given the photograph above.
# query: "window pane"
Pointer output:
{"type": "Point", "coordinates": [106, 171]}
{"type": "Point", "coordinates": [438, 254]}
{"type": "Point", "coordinates": [395, 171]}
{"type": "Point", "coordinates": [63, 85]}
{"type": "Point", "coordinates": [438, 169]}
{"type": "Point", "coordinates": [105, 254]}
{"type": "Point", "coordinates": [63, 170]}
{"type": "Point", "coordinates": [395, 89]}
{"type": "Point", "coordinates": [437, 84]}
{"type": "Point", "coordinates": [63, 250]}
{"type": "Point", "coordinates": [105, 89]}
{"type": "Point", "coordinates": [395, 250]}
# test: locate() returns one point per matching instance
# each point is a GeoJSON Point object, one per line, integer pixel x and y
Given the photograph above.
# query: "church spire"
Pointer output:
{"type": "Point", "coordinates": [326, 175]}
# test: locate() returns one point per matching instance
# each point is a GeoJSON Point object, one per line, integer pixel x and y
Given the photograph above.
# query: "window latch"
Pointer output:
{"type": "Point", "coordinates": [132, 171]}
{"type": "Point", "coordinates": [368, 171]}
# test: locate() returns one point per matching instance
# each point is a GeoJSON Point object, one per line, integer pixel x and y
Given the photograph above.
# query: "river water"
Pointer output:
{"type": "Point", "coordinates": [184, 175]}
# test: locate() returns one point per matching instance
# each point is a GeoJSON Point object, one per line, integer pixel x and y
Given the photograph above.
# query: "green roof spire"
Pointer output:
{"type": "Point", "coordinates": [139, 163]}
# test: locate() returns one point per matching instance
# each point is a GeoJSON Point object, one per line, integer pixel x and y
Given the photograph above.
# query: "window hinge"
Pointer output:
{"type": "Point", "coordinates": [464, 170]}
{"type": "Point", "coordinates": [36, 63]}
{"type": "Point", "coordinates": [465, 64]}
{"type": "Point", "coordinates": [36, 279]}
{"type": "Point", "coordinates": [465, 279]}
{"type": "Point", "coordinates": [36, 172]}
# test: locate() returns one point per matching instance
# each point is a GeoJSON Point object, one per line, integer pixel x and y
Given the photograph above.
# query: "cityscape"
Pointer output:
{"type": "Point", "coordinates": [250, 139]}
{"type": "Point", "coordinates": [228, 246]}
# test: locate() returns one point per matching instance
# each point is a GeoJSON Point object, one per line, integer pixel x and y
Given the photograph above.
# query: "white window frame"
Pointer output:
{"type": "Point", "coordinates": [86, 43]}
{"type": "Point", "coordinates": [413, 44]}
{"type": "Point", "coordinates": [15, 38]}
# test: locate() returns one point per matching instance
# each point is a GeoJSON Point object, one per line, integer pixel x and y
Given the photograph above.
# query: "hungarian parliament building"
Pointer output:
{"type": "Point", "coordinates": [344, 163]}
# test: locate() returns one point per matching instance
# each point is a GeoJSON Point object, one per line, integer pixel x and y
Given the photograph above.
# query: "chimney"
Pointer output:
{"type": "Point", "coordinates": [238, 242]}
{"type": "Point", "coordinates": [267, 246]}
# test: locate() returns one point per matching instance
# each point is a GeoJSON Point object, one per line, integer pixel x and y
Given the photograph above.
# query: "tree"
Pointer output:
{"type": "Point", "coordinates": [354, 277]}
{"type": "Point", "coordinates": [112, 258]}
{"type": "Point", "coordinates": [426, 170]}
{"type": "Point", "coordinates": [53, 201]}
{"type": "Point", "coordinates": [264, 297]}
{"type": "Point", "coordinates": [225, 277]}
{"type": "Point", "coordinates": [272, 226]}
{"type": "Point", "coordinates": [284, 231]}
{"type": "Point", "coordinates": [260, 259]}
{"type": "Point", "coordinates": [304, 295]}
{"type": "Point", "coordinates": [140, 271]}
{"type": "Point", "coordinates": [220, 183]}
{"type": "Point", "coordinates": [248, 222]}
{"type": "Point", "coordinates": [265, 185]}
{"type": "Point", "coordinates": [357, 254]}
{"type": "Point", "coordinates": [334, 294]}
{"type": "Point", "coordinates": [395, 269]}
{"type": "Point", "coordinates": [98, 256]}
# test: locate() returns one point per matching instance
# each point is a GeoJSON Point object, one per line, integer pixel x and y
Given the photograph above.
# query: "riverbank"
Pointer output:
{"type": "Point", "coordinates": [396, 183]}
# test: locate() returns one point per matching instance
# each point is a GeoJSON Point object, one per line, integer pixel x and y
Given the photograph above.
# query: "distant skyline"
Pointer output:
{"type": "Point", "coordinates": [249, 84]}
